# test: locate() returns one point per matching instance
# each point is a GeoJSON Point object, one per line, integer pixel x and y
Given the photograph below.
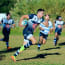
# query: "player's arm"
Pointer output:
{"type": "Point", "coordinates": [51, 30]}
{"type": "Point", "coordinates": [0, 26]}
{"type": "Point", "coordinates": [54, 25]}
{"type": "Point", "coordinates": [1, 23]}
{"type": "Point", "coordinates": [41, 28]}
{"type": "Point", "coordinates": [51, 27]}
{"type": "Point", "coordinates": [22, 18]}
{"type": "Point", "coordinates": [64, 25]}
{"type": "Point", "coordinates": [13, 24]}
{"type": "Point", "coordinates": [36, 27]}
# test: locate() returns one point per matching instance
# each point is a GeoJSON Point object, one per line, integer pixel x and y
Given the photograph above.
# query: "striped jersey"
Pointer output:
{"type": "Point", "coordinates": [46, 29]}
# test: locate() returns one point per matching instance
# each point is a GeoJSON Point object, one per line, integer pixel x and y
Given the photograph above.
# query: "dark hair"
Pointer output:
{"type": "Point", "coordinates": [40, 10]}
{"type": "Point", "coordinates": [7, 14]}
{"type": "Point", "coordinates": [58, 17]}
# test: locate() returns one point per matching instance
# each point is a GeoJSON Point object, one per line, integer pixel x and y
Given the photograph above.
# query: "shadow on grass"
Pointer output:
{"type": "Point", "coordinates": [2, 57]}
{"type": "Point", "coordinates": [62, 44]}
{"type": "Point", "coordinates": [11, 50]}
{"type": "Point", "coordinates": [39, 56]}
{"type": "Point", "coordinates": [50, 48]}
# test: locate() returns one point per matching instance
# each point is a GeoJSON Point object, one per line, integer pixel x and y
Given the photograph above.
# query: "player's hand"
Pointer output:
{"type": "Point", "coordinates": [0, 28]}
{"type": "Point", "coordinates": [59, 26]}
{"type": "Point", "coordinates": [48, 32]}
{"type": "Point", "coordinates": [34, 26]}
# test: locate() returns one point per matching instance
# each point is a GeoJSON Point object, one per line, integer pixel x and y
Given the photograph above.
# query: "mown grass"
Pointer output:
{"type": "Point", "coordinates": [49, 54]}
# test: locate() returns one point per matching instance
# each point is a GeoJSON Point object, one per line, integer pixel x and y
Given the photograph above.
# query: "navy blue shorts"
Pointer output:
{"type": "Point", "coordinates": [27, 34]}
{"type": "Point", "coordinates": [44, 36]}
{"type": "Point", "coordinates": [58, 31]}
{"type": "Point", "coordinates": [6, 34]}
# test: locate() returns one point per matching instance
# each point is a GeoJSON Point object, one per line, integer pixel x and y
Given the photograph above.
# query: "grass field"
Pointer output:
{"type": "Point", "coordinates": [49, 54]}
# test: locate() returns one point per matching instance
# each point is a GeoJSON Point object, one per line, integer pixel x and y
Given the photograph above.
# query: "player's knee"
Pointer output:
{"type": "Point", "coordinates": [40, 41]}
{"type": "Point", "coordinates": [56, 35]}
{"type": "Point", "coordinates": [44, 41]}
{"type": "Point", "coordinates": [34, 42]}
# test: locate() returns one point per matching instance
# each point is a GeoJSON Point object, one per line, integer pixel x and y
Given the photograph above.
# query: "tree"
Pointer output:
{"type": "Point", "coordinates": [52, 7]}
{"type": "Point", "coordinates": [6, 5]}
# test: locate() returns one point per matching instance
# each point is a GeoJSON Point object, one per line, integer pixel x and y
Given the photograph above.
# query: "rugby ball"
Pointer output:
{"type": "Point", "coordinates": [24, 22]}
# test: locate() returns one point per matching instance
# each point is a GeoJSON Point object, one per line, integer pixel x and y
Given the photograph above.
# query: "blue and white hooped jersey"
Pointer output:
{"type": "Point", "coordinates": [33, 22]}
{"type": "Point", "coordinates": [59, 24]}
{"type": "Point", "coordinates": [46, 29]}
{"type": "Point", "coordinates": [7, 23]}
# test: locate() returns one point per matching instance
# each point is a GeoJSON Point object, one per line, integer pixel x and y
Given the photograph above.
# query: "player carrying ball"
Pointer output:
{"type": "Point", "coordinates": [33, 21]}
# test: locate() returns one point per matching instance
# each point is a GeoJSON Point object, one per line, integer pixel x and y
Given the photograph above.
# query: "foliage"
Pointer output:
{"type": "Point", "coordinates": [52, 7]}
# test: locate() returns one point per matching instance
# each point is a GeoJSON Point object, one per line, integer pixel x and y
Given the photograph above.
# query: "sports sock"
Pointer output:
{"type": "Point", "coordinates": [7, 44]}
{"type": "Point", "coordinates": [39, 45]}
{"type": "Point", "coordinates": [23, 48]}
{"type": "Point", "coordinates": [1, 39]}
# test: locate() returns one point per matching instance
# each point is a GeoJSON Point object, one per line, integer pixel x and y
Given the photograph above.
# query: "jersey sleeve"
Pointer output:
{"type": "Point", "coordinates": [12, 21]}
{"type": "Point", "coordinates": [50, 24]}
{"type": "Point", "coordinates": [2, 21]}
{"type": "Point", "coordinates": [31, 16]}
{"type": "Point", "coordinates": [55, 21]}
{"type": "Point", "coordinates": [41, 25]}
{"type": "Point", "coordinates": [42, 20]}
{"type": "Point", "coordinates": [63, 23]}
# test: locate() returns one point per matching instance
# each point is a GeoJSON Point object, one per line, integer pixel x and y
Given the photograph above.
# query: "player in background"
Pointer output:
{"type": "Point", "coordinates": [58, 24]}
{"type": "Point", "coordinates": [46, 28]}
{"type": "Point", "coordinates": [7, 24]}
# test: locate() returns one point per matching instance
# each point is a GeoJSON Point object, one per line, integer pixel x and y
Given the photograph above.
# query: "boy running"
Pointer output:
{"type": "Point", "coordinates": [58, 24]}
{"type": "Point", "coordinates": [45, 29]}
{"type": "Point", "coordinates": [29, 39]}
{"type": "Point", "coordinates": [7, 24]}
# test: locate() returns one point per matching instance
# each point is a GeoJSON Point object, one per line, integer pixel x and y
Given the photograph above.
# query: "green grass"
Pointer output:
{"type": "Point", "coordinates": [49, 54]}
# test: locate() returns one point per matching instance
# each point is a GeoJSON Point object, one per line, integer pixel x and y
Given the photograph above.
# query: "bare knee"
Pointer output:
{"type": "Point", "coordinates": [34, 42]}
{"type": "Point", "coordinates": [44, 41]}
{"type": "Point", "coordinates": [41, 40]}
{"type": "Point", "coordinates": [56, 35]}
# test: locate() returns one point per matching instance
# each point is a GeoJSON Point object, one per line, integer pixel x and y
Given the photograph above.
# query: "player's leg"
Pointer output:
{"type": "Point", "coordinates": [33, 40]}
{"type": "Point", "coordinates": [40, 41]}
{"type": "Point", "coordinates": [22, 48]}
{"type": "Point", "coordinates": [1, 39]}
{"type": "Point", "coordinates": [58, 34]}
{"type": "Point", "coordinates": [3, 32]}
{"type": "Point", "coordinates": [7, 41]}
{"type": "Point", "coordinates": [44, 38]}
{"type": "Point", "coordinates": [6, 38]}
{"type": "Point", "coordinates": [56, 38]}
{"type": "Point", "coordinates": [18, 52]}
{"type": "Point", "coordinates": [44, 41]}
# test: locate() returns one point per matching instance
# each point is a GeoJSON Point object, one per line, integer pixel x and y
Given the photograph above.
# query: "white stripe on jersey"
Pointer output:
{"type": "Point", "coordinates": [59, 23]}
{"type": "Point", "coordinates": [46, 29]}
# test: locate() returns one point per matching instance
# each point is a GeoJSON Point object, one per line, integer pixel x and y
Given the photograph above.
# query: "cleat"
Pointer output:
{"type": "Point", "coordinates": [8, 48]}
{"type": "Point", "coordinates": [38, 48]}
{"type": "Point", "coordinates": [13, 58]}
